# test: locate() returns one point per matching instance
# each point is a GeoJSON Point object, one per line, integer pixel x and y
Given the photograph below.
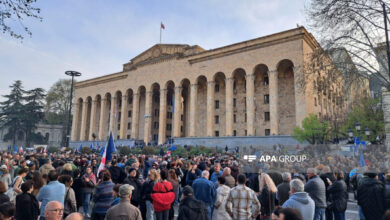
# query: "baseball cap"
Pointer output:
{"type": "Point", "coordinates": [125, 190]}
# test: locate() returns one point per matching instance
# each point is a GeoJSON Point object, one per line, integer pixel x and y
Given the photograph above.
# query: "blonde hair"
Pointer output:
{"type": "Point", "coordinates": [154, 175]}
{"type": "Point", "coordinates": [67, 167]}
{"type": "Point", "coordinates": [265, 180]}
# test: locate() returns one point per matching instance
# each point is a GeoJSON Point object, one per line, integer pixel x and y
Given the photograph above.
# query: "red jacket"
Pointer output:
{"type": "Point", "coordinates": [162, 196]}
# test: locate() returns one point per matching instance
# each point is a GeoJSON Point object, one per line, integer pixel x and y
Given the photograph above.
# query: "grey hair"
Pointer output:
{"type": "Point", "coordinates": [297, 185]}
{"type": "Point", "coordinates": [205, 173]}
{"type": "Point", "coordinates": [286, 176]}
{"type": "Point", "coordinates": [312, 170]}
{"type": "Point", "coordinates": [227, 170]}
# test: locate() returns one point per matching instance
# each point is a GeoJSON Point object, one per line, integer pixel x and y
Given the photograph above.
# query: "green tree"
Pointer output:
{"type": "Point", "coordinates": [313, 130]}
{"type": "Point", "coordinates": [368, 112]}
{"type": "Point", "coordinates": [12, 111]}
{"type": "Point", "coordinates": [34, 113]}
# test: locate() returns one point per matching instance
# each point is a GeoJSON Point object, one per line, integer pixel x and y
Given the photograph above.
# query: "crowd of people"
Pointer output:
{"type": "Point", "coordinates": [65, 185]}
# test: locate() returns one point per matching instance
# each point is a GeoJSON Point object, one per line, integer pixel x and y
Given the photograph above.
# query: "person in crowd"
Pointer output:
{"type": "Point", "coordinates": [205, 191]}
{"type": "Point", "coordinates": [229, 179]}
{"type": "Point", "coordinates": [326, 174]}
{"type": "Point", "coordinates": [78, 186]}
{"type": "Point", "coordinates": [387, 191]}
{"type": "Point", "coordinates": [53, 191]}
{"type": "Point", "coordinates": [299, 199]}
{"type": "Point", "coordinates": [3, 196]}
{"type": "Point", "coordinates": [46, 168]}
{"type": "Point", "coordinates": [67, 169]}
{"type": "Point", "coordinates": [117, 173]}
{"type": "Point", "coordinates": [172, 178]}
{"type": "Point", "coordinates": [5, 177]}
{"type": "Point", "coordinates": [220, 201]}
{"type": "Point", "coordinates": [38, 181]}
{"type": "Point", "coordinates": [70, 198]}
{"type": "Point", "coordinates": [27, 206]}
{"type": "Point", "coordinates": [89, 183]}
{"type": "Point", "coordinates": [115, 193]}
{"type": "Point", "coordinates": [267, 196]}
{"type": "Point", "coordinates": [53, 209]}
{"type": "Point", "coordinates": [316, 189]}
{"type": "Point", "coordinates": [124, 210]}
{"type": "Point", "coordinates": [133, 180]}
{"type": "Point", "coordinates": [192, 173]}
{"type": "Point", "coordinates": [162, 196]}
{"type": "Point", "coordinates": [338, 196]}
{"type": "Point", "coordinates": [276, 213]}
{"type": "Point", "coordinates": [242, 202]}
{"type": "Point", "coordinates": [217, 173]}
{"type": "Point", "coordinates": [370, 196]}
{"type": "Point", "coordinates": [191, 208]}
{"type": "Point", "coordinates": [283, 189]}
{"type": "Point", "coordinates": [147, 189]}
{"type": "Point", "coordinates": [7, 211]}
{"type": "Point", "coordinates": [75, 216]}
{"type": "Point", "coordinates": [103, 195]}
{"type": "Point", "coordinates": [16, 184]}
{"type": "Point", "coordinates": [290, 214]}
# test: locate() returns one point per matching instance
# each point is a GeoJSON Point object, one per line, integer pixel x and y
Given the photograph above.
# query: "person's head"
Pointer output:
{"type": "Point", "coordinates": [66, 180]}
{"type": "Point", "coordinates": [115, 190]}
{"type": "Point", "coordinates": [311, 172]}
{"type": "Point", "coordinates": [205, 174]}
{"type": "Point", "coordinates": [187, 191]}
{"type": "Point", "coordinates": [153, 175]}
{"type": "Point", "coordinates": [52, 176]}
{"type": "Point", "coordinates": [226, 171]}
{"type": "Point", "coordinates": [105, 175]}
{"type": "Point", "coordinates": [75, 216]}
{"type": "Point", "coordinates": [3, 188]}
{"type": "Point", "coordinates": [68, 167]}
{"type": "Point", "coordinates": [125, 191]}
{"type": "Point", "coordinates": [27, 187]}
{"type": "Point", "coordinates": [266, 181]}
{"type": "Point", "coordinates": [54, 210]}
{"type": "Point", "coordinates": [276, 213]}
{"type": "Point", "coordinates": [387, 177]}
{"type": "Point", "coordinates": [286, 176]}
{"type": "Point", "coordinates": [172, 175]}
{"type": "Point", "coordinates": [88, 170]}
{"type": "Point", "coordinates": [241, 179]}
{"type": "Point", "coordinates": [339, 175]}
{"type": "Point", "coordinates": [23, 172]}
{"type": "Point", "coordinates": [371, 174]}
{"type": "Point", "coordinates": [290, 214]}
{"type": "Point", "coordinates": [296, 185]}
{"type": "Point", "coordinates": [132, 172]}
{"type": "Point", "coordinates": [221, 180]}
{"type": "Point", "coordinates": [7, 210]}
{"type": "Point", "coordinates": [217, 167]}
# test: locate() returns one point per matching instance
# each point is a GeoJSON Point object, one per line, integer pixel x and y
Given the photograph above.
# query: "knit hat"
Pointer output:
{"type": "Point", "coordinates": [187, 190]}
{"type": "Point", "coordinates": [125, 190]}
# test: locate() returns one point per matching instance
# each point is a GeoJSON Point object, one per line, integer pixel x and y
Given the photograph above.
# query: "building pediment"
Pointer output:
{"type": "Point", "coordinates": [161, 52]}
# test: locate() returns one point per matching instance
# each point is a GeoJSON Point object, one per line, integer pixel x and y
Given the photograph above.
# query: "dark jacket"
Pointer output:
{"type": "Point", "coordinates": [27, 207]}
{"type": "Point", "coordinates": [387, 195]}
{"type": "Point", "coordinates": [117, 174]}
{"type": "Point", "coordinates": [338, 196]}
{"type": "Point", "coordinates": [370, 196]}
{"type": "Point", "coordinates": [283, 192]}
{"type": "Point", "coordinates": [147, 190]}
{"type": "Point", "coordinates": [3, 198]}
{"type": "Point", "coordinates": [191, 177]}
{"type": "Point", "coordinates": [136, 194]}
{"type": "Point", "coordinates": [190, 208]}
{"type": "Point", "coordinates": [324, 178]}
{"type": "Point", "coordinates": [316, 189]}
{"type": "Point", "coordinates": [267, 201]}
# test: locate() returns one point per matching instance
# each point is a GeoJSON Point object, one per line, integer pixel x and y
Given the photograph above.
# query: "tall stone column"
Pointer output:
{"type": "Point", "coordinates": [163, 116]}
{"type": "Point", "coordinates": [210, 108]}
{"type": "Point", "coordinates": [148, 116]}
{"type": "Point", "coordinates": [102, 120]}
{"type": "Point", "coordinates": [273, 103]}
{"type": "Point", "coordinates": [229, 106]}
{"type": "Point", "coordinates": [193, 100]}
{"type": "Point", "coordinates": [75, 122]}
{"type": "Point", "coordinates": [112, 117]}
{"type": "Point", "coordinates": [177, 113]}
{"type": "Point", "coordinates": [123, 117]}
{"type": "Point", "coordinates": [83, 129]}
{"type": "Point", "coordinates": [92, 123]}
{"type": "Point", "coordinates": [250, 104]}
{"type": "Point", "coordinates": [135, 117]}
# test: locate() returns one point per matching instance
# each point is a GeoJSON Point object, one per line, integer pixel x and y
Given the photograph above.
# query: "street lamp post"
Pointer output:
{"type": "Point", "coordinates": [73, 74]}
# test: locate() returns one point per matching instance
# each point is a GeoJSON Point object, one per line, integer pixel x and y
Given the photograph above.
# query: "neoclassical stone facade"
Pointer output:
{"type": "Point", "coordinates": [251, 88]}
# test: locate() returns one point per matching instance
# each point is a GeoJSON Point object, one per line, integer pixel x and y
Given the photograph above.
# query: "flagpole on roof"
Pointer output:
{"type": "Point", "coordinates": [160, 31]}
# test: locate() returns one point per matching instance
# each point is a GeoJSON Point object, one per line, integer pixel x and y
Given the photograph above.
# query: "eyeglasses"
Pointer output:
{"type": "Point", "coordinates": [57, 210]}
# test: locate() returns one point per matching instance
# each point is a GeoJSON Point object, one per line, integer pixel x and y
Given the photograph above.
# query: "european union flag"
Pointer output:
{"type": "Point", "coordinates": [362, 161]}
{"type": "Point", "coordinates": [91, 147]}
{"type": "Point", "coordinates": [110, 148]}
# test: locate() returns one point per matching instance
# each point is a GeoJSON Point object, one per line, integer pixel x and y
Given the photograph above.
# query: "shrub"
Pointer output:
{"type": "Point", "coordinates": [52, 149]}
{"type": "Point", "coordinates": [86, 150]}
{"type": "Point", "coordinates": [124, 151]}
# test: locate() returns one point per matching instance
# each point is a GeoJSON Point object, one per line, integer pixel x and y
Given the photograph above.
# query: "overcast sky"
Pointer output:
{"type": "Point", "coordinates": [97, 37]}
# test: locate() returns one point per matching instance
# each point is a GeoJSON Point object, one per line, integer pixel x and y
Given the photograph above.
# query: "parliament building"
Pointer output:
{"type": "Point", "coordinates": [260, 87]}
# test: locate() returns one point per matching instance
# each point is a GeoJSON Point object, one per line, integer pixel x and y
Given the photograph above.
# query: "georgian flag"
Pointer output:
{"type": "Point", "coordinates": [102, 162]}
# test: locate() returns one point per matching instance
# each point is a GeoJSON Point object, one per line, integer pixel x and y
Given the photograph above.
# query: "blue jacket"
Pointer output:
{"type": "Point", "coordinates": [191, 177]}
{"type": "Point", "coordinates": [204, 190]}
{"type": "Point", "coordinates": [302, 202]}
{"type": "Point", "coordinates": [214, 176]}
{"type": "Point", "coordinates": [54, 191]}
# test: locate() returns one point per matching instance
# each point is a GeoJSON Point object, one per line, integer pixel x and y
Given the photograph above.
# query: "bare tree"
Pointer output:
{"type": "Point", "coordinates": [13, 13]}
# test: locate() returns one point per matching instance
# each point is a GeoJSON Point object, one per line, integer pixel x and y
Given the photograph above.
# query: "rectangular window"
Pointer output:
{"type": "Point", "coordinates": [181, 117]}
{"type": "Point", "coordinates": [128, 137]}
{"type": "Point", "coordinates": [129, 114]}
{"type": "Point", "coordinates": [315, 101]}
{"type": "Point", "coordinates": [216, 104]}
{"type": "Point", "coordinates": [246, 132]}
{"type": "Point", "coordinates": [266, 99]}
{"type": "Point", "coordinates": [235, 118]}
{"type": "Point", "coordinates": [216, 133]}
{"type": "Point", "coordinates": [130, 100]}
{"type": "Point", "coordinates": [156, 112]}
{"type": "Point", "coordinates": [128, 126]}
{"type": "Point", "coordinates": [234, 133]}
{"type": "Point", "coordinates": [245, 117]}
{"type": "Point", "coordinates": [155, 125]}
{"type": "Point", "coordinates": [119, 126]}
{"type": "Point", "coordinates": [266, 80]}
{"type": "Point", "coordinates": [216, 119]}
{"type": "Point", "coordinates": [216, 87]}
{"type": "Point", "coordinates": [169, 127]}
{"type": "Point", "coordinates": [119, 116]}
{"type": "Point", "coordinates": [266, 116]}
{"type": "Point", "coordinates": [234, 102]}
{"type": "Point", "coordinates": [120, 103]}
{"type": "Point", "coordinates": [117, 137]}
{"type": "Point", "coordinates": [156, 99]}
{"type": "Point", "coordinates": [267, 132]}
{"type": "Point", "coordinates": [181, 129]}
{"type": "Point", "coordinates": [169, 115]}
{"type": "Point", "coordinates": [234, 85]}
